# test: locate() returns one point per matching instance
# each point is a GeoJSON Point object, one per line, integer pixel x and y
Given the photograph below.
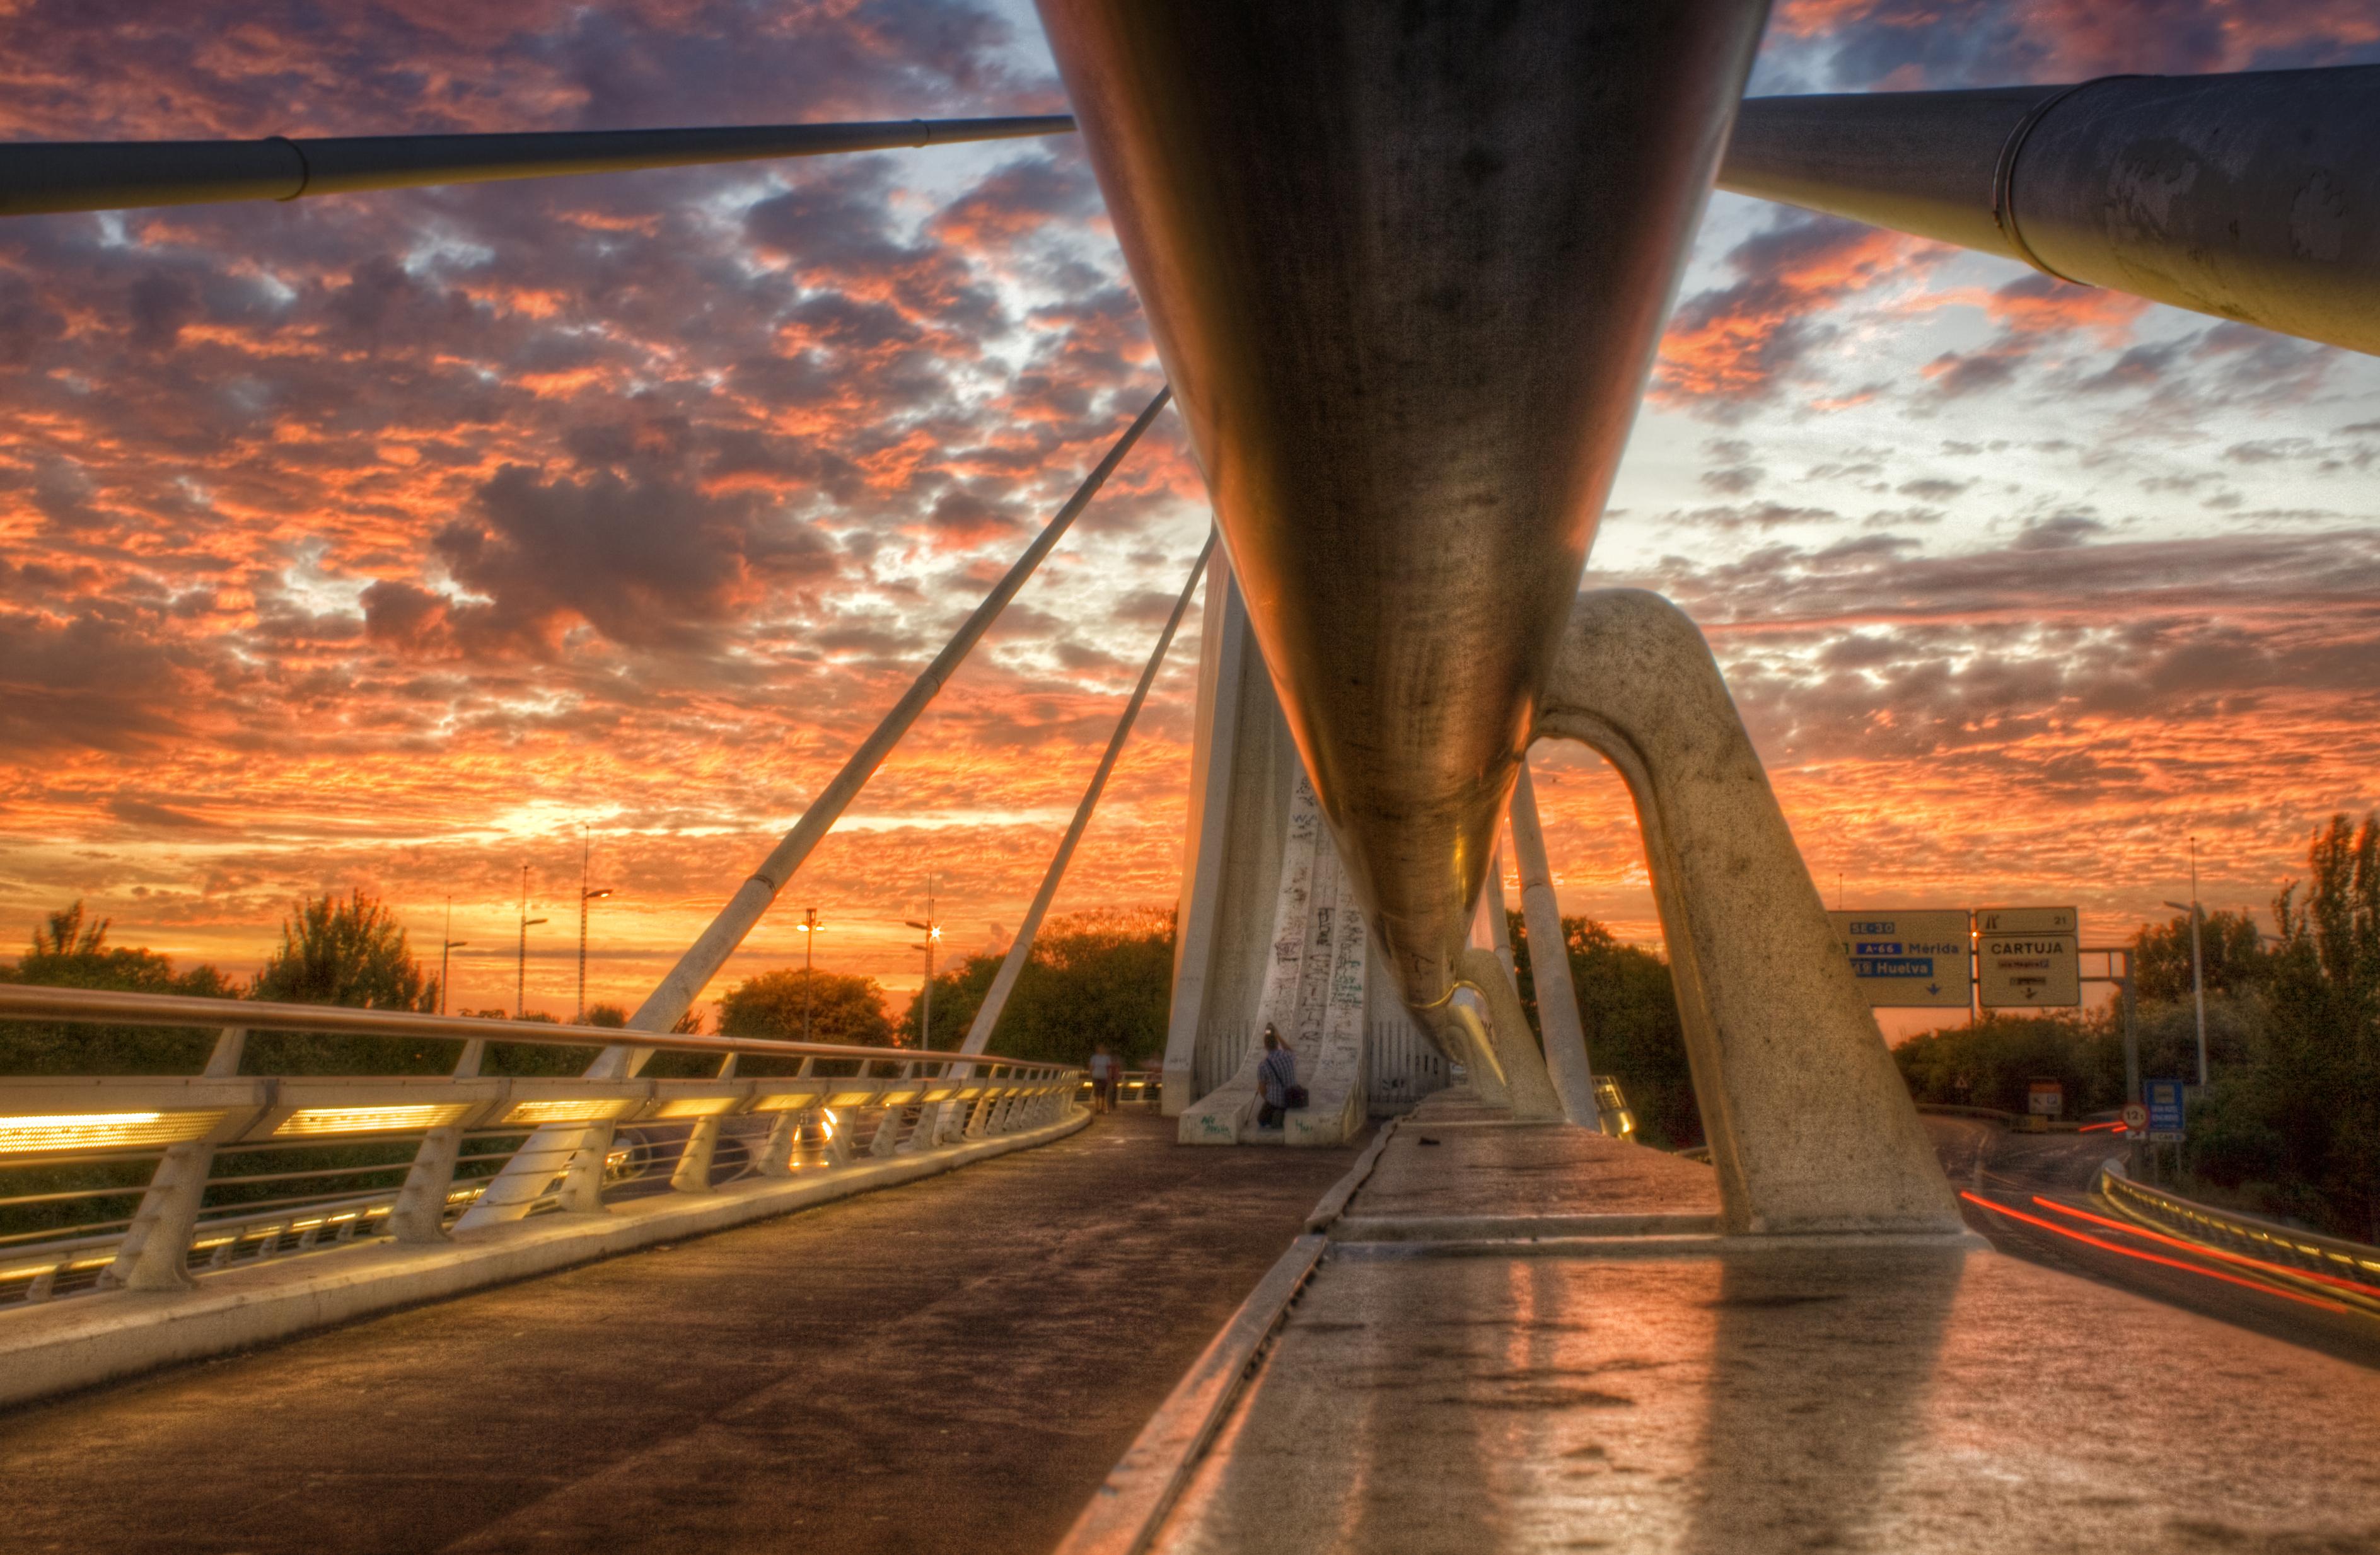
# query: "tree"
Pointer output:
{"type": "Point", "coordinates": [2234, 957]}
{"type": "Point", "coordinates": [74, 953]}
{"type": "Point", "coordinates": [351, 953]}
{"type": "Point", "coordinates": [70, 951]}
{"type": "Point", "coordinates": [843, 1008]}
{"type": "Point", "coordinates": [2320, 1091]}
{"type": "Point", "coordinates": [1628, 1008]}
{"type": "Point", "coordinates": [1101, 976]}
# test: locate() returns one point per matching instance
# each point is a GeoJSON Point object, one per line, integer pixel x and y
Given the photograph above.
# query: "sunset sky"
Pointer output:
{"type": "Point", "coordinates": [383, 541]}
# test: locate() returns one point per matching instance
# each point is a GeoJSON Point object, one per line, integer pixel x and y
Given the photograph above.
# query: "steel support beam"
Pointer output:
{"type": "Point", "coordinates": [117, 174]}
{"type": "Point", "coordinates": [1020, 951]}
{"type": "Point", "coordinates": [2254, 196]}
{"type": "Point", "coordinates": [702, 962]}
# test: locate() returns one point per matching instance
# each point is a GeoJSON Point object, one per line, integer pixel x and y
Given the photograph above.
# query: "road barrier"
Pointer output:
{"type": "Point", "coordinates": [2329, 1256]}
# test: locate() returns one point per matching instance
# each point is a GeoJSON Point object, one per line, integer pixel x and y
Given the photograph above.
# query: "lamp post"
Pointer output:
{"type": "Point", "coordinates": [584, 896]}
{"type": "Point", "coordinates": [447, 946]}
{"type": "Point", "coordinates": [520, 974]}
{"type": "Point", "coordinates": [2197, 963]}
{"type": "Point", "coordinates": [926, 996]}
{"type": "Point", "coordinates": [808, 928]}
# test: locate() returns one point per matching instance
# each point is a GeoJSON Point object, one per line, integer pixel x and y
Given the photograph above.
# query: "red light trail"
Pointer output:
{"type": "Point", "coordinates": [2325, 1304]}
{"type": "Point", "coordinates": [2205, 1251]}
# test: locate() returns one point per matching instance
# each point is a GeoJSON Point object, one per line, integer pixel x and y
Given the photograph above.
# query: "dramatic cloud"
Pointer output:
{"type": "Point", "coordinates": [386, 540]}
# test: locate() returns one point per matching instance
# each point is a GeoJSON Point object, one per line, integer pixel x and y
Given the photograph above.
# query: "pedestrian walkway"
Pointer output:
{"type": "Point", "coordinates": [948, 1366]}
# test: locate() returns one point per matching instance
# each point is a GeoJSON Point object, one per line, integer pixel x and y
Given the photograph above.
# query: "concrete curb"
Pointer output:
{"type": "Point", "coordinates": [1127, 1510]}
{"type": "Point", "coordinates": [89, 1340]}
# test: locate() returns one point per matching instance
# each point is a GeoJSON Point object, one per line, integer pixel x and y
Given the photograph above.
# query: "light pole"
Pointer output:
{"type": "Point", "coordinates": [447, 946]}
{"type": "Point", "coordinates": [520, 975]}
{"type": "Point", "coordinates": [808, 928]}
{"type": "Point", "coordinates": [2197, 963]}
{"type": "Point", "coordinates": [926, 996]}
{"type": "Point", "coordinates": [584, 896]}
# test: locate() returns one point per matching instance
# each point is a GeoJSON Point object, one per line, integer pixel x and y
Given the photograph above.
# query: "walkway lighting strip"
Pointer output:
{"type": "Point", "coordinates": [372, 1120]}
{"type": "Point", "coordinates": [101, 1131]}
{"type": "Point", "coordinates": [697, 1107]}
{"type": "Point", "coordinates": [591, 1109]}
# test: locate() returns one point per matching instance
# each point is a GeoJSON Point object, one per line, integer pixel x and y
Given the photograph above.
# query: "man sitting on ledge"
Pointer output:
{"type": "Point", "coordinates": [1277, 1078]}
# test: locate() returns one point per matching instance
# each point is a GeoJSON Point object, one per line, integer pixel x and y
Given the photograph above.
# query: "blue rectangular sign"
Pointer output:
{"type": "Point", "coordinates": [2164, 1098]}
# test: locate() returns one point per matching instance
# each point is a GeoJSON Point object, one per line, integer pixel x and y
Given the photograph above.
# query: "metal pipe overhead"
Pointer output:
{"type": "Point", "coordinates": [1406, 266]}
{"type": "Point", "coordinates": [2254, 196]}
{"type": "Point", "coordinates": [1020, 951]}
{"type": "Point", "coordinates": [115, 174]}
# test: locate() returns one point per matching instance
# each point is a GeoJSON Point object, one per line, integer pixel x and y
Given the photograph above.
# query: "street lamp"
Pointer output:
{"type": "Point", "coordinates": [447, 946]}
{"type": "Point", "coordinates": [520, 975]}
{"type": "Point", "coordinates": [809, 929]}
{"type": "Point", "coordinates": [2197, 966]}
{"type": "Point", "coordinates": [926, 997]}
{"type": "Point", "coordinates": [584, 896]}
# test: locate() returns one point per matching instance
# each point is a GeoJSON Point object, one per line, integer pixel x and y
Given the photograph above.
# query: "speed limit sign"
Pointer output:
{"type": "Point", "coordinates": [2136, 1119]}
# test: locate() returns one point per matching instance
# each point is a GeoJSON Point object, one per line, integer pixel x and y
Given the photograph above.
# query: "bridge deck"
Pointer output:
{"type": "Point", "coordinates": [951, 1365]}
{"type": "Point", "coordinates": [1501, 1374]}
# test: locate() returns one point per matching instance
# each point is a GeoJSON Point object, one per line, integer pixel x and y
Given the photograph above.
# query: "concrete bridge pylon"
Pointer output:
{"type": "Point", "coordinates": [1269, 930]}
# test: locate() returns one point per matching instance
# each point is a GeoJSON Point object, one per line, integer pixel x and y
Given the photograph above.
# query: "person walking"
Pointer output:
{"type": "Point", "coordinates": [1277, 1080]}
{"type": "Point", "coordinates": [1103, 1079]}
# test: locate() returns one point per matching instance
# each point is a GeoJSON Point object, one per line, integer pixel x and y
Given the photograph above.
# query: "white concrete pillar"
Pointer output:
{"type": "Point", "coordinates": [1558, 1019]}
{"type": "Point", "coordinates": [1811, 1127]}
{"type": "Point", "coordinates": [1225, 644]}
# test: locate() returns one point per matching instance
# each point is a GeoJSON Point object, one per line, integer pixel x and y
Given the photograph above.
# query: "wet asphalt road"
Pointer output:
{"type": "Point", "coordinates": [951, 1365]}
{"type": "Point", "coordinates": [2009, 1170]}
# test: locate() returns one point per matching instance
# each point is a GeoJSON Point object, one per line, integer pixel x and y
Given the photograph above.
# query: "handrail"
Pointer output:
{"type": "Point", "coordinates": [27, 1001]}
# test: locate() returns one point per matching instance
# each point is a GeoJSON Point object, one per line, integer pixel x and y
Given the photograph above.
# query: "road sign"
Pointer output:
{"type": "Point", "coordinates": [2027, 957]}
{"type": "Point", "coordinates": [2027, 920]}
{"type": "Point", "coordinates": [1907, 958]}
{"type": "Point", "coordinates": [2045, 1099]}
{"type": "Point", "coordinates": [2136, 1118]}
{"type": "Point", "coordinates": [2164, 1109]}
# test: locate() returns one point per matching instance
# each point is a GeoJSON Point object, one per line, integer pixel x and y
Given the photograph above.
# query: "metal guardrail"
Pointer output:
{"type": "Point", "coordinates": [2243, 1234]}
{"type": "Point", "coordinates": [152, 1182]}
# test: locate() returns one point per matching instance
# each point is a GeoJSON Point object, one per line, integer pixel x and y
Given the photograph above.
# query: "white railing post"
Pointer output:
{"type": "Point", "coordinates": [154, 1253]}
{"type": "Point", "coordinates": [582, 1180]}
{"type": "Point", "coordinates": [887, 1128]}
{"type": "Point", "coordinates": [692, 1173]}
{"type": "Point", "coordinates": [777, 1150]}
{"type": "Point", "coordinates": [420, 1212]}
